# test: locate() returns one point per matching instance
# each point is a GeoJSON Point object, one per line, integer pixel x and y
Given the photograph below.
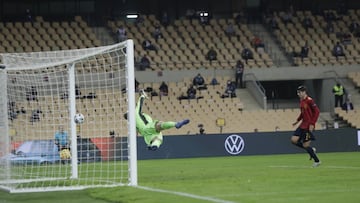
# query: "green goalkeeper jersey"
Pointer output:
{"type": "Point", "coordinates": [147, 130]}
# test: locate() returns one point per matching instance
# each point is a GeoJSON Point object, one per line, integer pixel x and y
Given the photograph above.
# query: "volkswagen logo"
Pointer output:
{"type": "Point", "coordinates": [234, 144]}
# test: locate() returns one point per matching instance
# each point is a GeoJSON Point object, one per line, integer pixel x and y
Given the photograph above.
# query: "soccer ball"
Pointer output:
{"type": "Point", "coordinates": [79, 118]}
{"type": "Point", "coordinates": [65, 154]}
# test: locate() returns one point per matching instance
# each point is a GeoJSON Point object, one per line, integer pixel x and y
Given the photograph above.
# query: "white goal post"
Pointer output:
{"type": "Point", "coordinates": [41, 93]}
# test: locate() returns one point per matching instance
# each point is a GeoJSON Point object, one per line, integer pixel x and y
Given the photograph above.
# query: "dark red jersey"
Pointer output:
{"type": "Point", "coordinates": [309, 113]}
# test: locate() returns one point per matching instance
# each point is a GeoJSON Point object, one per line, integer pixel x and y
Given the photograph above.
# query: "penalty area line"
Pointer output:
{"type": "Point", "coordinates": [211, 199]}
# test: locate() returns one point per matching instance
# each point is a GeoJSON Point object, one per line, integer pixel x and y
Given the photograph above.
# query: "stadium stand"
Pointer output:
{"type": "Point", "coordinates": [183, 47]}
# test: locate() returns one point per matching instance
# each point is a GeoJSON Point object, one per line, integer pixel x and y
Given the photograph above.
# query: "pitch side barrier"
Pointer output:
{"type": "Point", "coordinates": [240, 144]}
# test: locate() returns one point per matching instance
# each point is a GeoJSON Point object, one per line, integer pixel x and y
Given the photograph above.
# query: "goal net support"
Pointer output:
{"type": "Point", "coordinates": [42, 148]}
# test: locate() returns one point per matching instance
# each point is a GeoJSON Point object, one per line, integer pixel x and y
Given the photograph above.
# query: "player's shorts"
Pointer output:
{"type": "Point", "coordinates": [305, 135]}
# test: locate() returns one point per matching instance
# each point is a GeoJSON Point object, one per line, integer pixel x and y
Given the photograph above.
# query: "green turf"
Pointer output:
{"type": "Point", "coordinates": [275, 178]}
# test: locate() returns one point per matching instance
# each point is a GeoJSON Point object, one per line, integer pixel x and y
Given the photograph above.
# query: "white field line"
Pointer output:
{"type": "Point", "coordinates": [253, 194]}
{"type": "Point", "coordinates": [321, 166]}
{"type": "Point", "coordinates": [210, 199]}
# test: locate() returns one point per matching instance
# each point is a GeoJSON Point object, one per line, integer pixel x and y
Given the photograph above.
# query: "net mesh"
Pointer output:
{"type": "Point", "coordinates": [38, 107]}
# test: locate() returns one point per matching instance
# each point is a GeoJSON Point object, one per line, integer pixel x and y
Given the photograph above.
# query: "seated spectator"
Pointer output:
{"type": "Point", "coordinates": [230, 31]}
{"type": "Point", "coordinates": [338, 50]}
{"type": "Point", "coordinates": [190, 93]}
{"type": "Point", "coordinates": [144, 63]}
{"type": "Point", "coordinates": [211, 55]}
{"type": "Point", "coordinates": [257, 42]}
{"type": "Point", "coordinates": [164, 89]}
{"type": "Point", "coordinates": [229, 90]}
{"type": "Point", "coordinates": [147, 45]}
{"type": "Point", "coordinates": [139, 20]}
{"type": "Point", "coordinates": [329, 27]}
{"type": "Point", "coordinates": [199, 82]}
{"type": "Point", "coordinates": [304, 51]}
{"type": "Point", "coordinates": [307, 23]}
{"type": "Point", "coordinates": [348, 105]}
{"type": "Point", "coordinates": [122, 34]}
{"type": "Point", "coordinates": [157, 33]}
{"type": "Point", "coordinates": [354, 26]}
{"type": "Point", "coordinates": [247, 54]}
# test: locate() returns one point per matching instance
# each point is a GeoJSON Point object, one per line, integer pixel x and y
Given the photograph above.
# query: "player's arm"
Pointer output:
{"type": "Point", "coordinates": [299, 118]}
{"type": "Point", "coordinates": [316, 112]}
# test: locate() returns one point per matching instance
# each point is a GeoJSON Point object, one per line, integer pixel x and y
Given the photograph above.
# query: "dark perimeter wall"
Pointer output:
{"type": "Point", "coordinates": [240, 144]}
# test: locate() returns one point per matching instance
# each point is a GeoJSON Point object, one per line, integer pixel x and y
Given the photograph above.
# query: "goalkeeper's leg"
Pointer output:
{"type": "Point", "coordinates": [170, 124]}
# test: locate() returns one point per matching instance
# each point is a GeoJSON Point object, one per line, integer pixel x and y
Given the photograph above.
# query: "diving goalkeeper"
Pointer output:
{"type": "Point", "coordinates": [151, 129]}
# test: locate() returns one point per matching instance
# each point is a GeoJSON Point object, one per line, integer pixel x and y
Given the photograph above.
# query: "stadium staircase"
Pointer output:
{"type": "Point", "coordinates": [272, 47]}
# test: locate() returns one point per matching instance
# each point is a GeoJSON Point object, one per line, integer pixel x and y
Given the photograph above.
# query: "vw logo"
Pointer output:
{"type": "Point", "coordinates": [234, 144]}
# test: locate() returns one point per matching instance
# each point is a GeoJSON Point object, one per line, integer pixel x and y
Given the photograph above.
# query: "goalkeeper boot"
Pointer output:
{"type": "Point", "coordinates": [143, 93]}
{"type": "Point", "coordinates": [181, 123]}
{"type": "Point", "coordinates": [153, 148]}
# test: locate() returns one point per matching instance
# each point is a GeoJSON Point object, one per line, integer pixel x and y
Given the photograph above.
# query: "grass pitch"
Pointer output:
{"type": "Point", "coordinates": [248, 179]}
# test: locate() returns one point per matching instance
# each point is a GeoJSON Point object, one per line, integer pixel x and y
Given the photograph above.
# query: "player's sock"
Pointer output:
{"type": "Point", "coordinates": [312, 154]}
{"type": "Point", "coordinates": [181, 123]}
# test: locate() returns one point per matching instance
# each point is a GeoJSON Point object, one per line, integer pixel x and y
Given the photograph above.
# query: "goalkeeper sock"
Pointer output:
{"type": "Point", "coordinates": [167, 125]}
{"type": "Point", "coordinates": [312, 154]}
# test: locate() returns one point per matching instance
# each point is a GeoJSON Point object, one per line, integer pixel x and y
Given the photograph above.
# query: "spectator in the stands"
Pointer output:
{"type": "Point", "coordinates": [338, 50]}
{"type": "Point", "coordinates": [211, 55]}
{"type": "Point", "coordinates": [239, 73]}
{"type": "Point", "coordinates": [121, 34]}
{"type": "Point", "coordinates": [148, 45]}
{"type": "Point", "coordinates": [247, 54]}
{"type": "Point", "coordinates": [257, 42]}
{"type": "Point", "coordinates": [348, 105]}
{"type": "Point", "coordinates": [329, 27]}
{"type": "Point", "coordinates": [304, 51]}
{"type": "Point", "coordinates": [157, 34]}
{"type": "Point", "coordinates": [144, 63]}
{"type": "Point", "coordinates": [229, 90]}
{"type": "Point", "coordinates": [229, 30]}
{"type": "Point", "coordinates": [307, 23]}
{"type": "Point", "coordinates": [199, 82]}
{"type": "Point", "coordinates": [164, 89]}
{"type": "Point", "coordinates": [190, 93]}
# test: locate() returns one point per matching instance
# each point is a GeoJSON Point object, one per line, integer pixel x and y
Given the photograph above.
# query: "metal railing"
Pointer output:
{"type": "Point", "coordinates": [256, 89]}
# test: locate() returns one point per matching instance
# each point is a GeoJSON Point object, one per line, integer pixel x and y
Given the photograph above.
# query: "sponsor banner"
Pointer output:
{"type": "Point", "coordinates": [238, 144]}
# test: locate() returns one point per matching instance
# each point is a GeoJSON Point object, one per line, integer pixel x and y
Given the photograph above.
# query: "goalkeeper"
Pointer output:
{"type": "Point", "coordinates": [151, 129]}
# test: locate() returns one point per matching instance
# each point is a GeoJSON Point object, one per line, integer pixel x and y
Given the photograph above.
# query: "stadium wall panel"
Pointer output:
{"type": "Point", "coordinates": [240, 144]}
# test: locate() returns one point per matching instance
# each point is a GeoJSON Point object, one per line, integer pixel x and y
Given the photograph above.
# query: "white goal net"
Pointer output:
{"type": "Point", "coordinates": [42, 148]}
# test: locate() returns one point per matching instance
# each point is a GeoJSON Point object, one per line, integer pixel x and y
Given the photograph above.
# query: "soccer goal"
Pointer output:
{"type": "Point", "coordinates": [42, 148]}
